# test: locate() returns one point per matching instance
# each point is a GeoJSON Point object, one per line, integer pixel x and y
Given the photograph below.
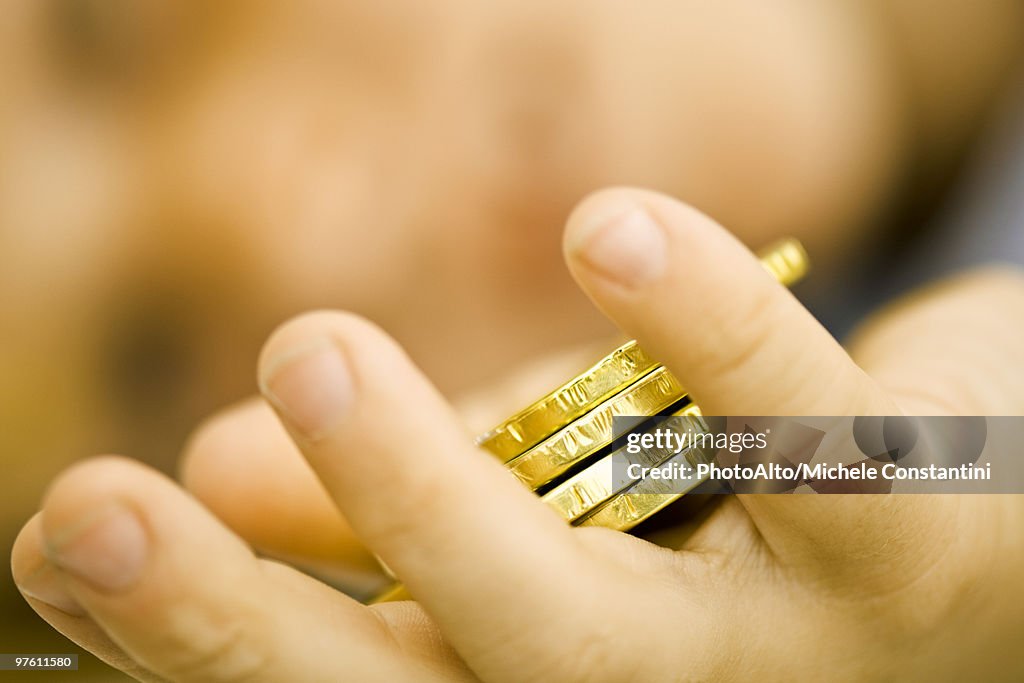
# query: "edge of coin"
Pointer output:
{"type": "Point", "coordinates": [573, 399]}
{"type": "Point", "coordinates": [585, 491]}
{"type": "Point", "coordinates": [587, 435]}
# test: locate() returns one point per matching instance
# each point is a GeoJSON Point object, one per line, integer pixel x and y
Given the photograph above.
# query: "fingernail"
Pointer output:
{"type": "Point", "coordinates": [107, 551]}
{"type": "Point", "coordinates": [629, 248]}
{"type": "Point", "coordinates": [45, 586]}
{"type": "Point", "coordinates": [311, 387]}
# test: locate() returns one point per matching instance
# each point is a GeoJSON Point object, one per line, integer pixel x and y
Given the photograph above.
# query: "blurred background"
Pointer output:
{"type": "Point", "coordinates": [178, 177]}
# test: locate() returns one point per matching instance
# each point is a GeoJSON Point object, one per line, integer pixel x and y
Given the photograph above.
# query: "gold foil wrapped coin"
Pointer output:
{"type": "Point", "coordinates": [588, 489]}
{"type": "Point", "coordinates": [582, 393]}
{"type": "Point", "coordinates": [590, 433]}
{"type": "Point", "coordinates": [625, 510]}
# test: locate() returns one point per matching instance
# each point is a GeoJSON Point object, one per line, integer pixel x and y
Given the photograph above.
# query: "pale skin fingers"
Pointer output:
{"type": "Point", "coordinates": [243, 466]}
{"type": "Point", "coordinates": [498, 570]}
{"type": "Point", "coordinates": [44, 590]}
{"type": "Point", "coordinates": [186, 600]}
{"type": "Point", "coordinates": [243, 454]}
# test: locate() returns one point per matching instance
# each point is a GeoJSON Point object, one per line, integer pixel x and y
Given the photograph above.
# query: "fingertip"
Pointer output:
{"type": "Point", "coordinates": [593, 211]}
{"type": "Point", "coordinates": [228, 464]}
{"type": "Point", "coordinates": [313, 369]}
{"type": "Point", "coordinates": [85, 487]}
{"type": "Point", "coordinates": [698, 300]}
{"type": "Point", "coordinates": [349, 331]}
{"type": "Point", "coordinates": [325, 370]}
{"type": "Point", "coordinates": [621, 241]}
{"type": "Point", "coordinates": [225, 444]}
{"type": "Point", "coordinates": [93, 527]}
{"type": "Point", "coordinates": [27, 549]}
{"type": "Point", "coordinates": [28, 561]}
{"type": "Point", "coordinates": [36, 579]}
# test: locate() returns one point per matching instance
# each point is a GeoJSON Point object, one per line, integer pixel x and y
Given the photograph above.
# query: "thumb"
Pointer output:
{"type": "Point", "coordinates": [701, 303]}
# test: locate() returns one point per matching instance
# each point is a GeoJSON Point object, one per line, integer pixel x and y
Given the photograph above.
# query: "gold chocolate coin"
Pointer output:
{"type": "Point", "coordinates": [584, 491]}
{"type": "Point", "coordinates": [582, 393]}
{"type": "Point", "coordinates": [588, 434]}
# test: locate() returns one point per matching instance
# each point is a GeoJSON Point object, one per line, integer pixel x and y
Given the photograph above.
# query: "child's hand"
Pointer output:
{"type": "Point", "coordinates": [772, 587]}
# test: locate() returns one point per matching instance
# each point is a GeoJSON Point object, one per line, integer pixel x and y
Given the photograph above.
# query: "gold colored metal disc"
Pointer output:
{"type": "Point", "coordinates": [625, 510]}
{"type": "Point", "coordinates": [586, 490]}
{"type": "Point", "coordinates": [588, 434]}
{"type": "Point", "coordinates": [582, 393]}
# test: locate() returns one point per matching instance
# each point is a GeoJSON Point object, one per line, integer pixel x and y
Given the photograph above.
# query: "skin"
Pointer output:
{"type": "Point", "coordinates": [189, 156]}
{"type": "Point", "coordinates": [766, 588]}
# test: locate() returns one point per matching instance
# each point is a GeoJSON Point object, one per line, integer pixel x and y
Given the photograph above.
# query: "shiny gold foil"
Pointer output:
{"type": "Point", "coordinates": [586, 490]}
{"type": "Point", "coordinates": [588, 434]}
{"type": "Point", "coordinates": [528, 427]}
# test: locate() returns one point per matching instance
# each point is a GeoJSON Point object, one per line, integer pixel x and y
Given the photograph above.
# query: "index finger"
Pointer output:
{"type": "Point", "coordinates": [472, 544]}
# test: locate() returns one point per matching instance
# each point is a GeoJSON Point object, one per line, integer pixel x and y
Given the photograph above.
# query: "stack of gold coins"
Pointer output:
{"type": "Point", "coordinates": [562, 446]}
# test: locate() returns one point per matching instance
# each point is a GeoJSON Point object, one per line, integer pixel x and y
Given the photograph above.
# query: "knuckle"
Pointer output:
{"type": "Point", "coordinates": [223, 646]}
{"type": "Point", "coordinates": [590, 655]}
{"type": "Point", "coordinates": [939, 581]}
{"type": "Point", "coordinates": [420, 500]}
{"type": "Point", "coordinates": [589, 648]}
{"type": "Point", "coordinates": [743, 328]}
